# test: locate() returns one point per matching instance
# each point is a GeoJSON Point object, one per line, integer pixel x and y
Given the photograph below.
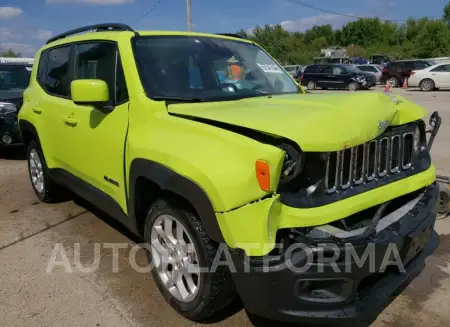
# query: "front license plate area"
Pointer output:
{"type": "Point", "coordinates": [414, 245]}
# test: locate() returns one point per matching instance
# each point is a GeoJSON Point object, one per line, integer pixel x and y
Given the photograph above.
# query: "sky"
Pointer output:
{"type": "Point", "coordinates": [25, 25]}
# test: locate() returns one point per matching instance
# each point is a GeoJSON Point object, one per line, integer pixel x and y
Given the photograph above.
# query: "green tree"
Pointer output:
{"type": "Point", "coordinates": [433, 40]}
{"type": "Point", "coordinates": [446, 15]}
{"type": "Point", "coordinates": [9, 53]}
{"type": "Point", "coordinates": [416, 38]}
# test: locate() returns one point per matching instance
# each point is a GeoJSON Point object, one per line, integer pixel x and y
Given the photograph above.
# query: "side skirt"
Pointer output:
{"type": "Point", "coordinates": [93, 195]}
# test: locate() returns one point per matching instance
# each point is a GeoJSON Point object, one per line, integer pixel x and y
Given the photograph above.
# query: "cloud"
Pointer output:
{"type": "Point", "coordinates": [42, 35]}
{"type": "Point", "coordinates": [303, 24]}
{"type": "Point", "coordinates": [92, 2]}
{"type": "Point", "coordinates": [26, 50]}
{"type": "Point", "coordinates": [10, 12]}
{"type": "Point", "coordinates": [7, 34]}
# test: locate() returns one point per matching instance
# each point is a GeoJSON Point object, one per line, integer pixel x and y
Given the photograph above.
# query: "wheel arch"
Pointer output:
{"type": "Point", "coordinates": [28, 132]}
{"type": "Point", "coordinates": [149, 180]}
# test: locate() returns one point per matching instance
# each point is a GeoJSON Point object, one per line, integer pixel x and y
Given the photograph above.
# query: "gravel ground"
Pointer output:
{"type": "Point", "coordinates": [68, 296]}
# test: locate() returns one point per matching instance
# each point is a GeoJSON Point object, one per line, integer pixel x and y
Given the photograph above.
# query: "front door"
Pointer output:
{"type": "Point", "coordinates": [97, 140]}
{"type": "Point", "coordinates": [441, 75]}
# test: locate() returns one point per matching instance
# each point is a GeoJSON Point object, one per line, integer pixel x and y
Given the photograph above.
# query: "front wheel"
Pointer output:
{"type": "Point", "coordinates": [180, 246]}
{"type": "Point", "coordinates": [352, 86]}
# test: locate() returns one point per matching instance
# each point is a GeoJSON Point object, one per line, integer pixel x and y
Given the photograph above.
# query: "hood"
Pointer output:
{"type": "Point", "coordinates": [316, 122]}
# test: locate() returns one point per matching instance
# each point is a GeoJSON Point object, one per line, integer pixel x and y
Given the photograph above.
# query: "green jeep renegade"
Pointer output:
{"type": "Point", "coordinates": [237, 182]}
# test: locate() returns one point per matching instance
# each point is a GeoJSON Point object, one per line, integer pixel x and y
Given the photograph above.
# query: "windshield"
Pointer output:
{"type": "Point", "coordinates": [14, 77]}
{"type": "Point", "coordinates": [207, 69]}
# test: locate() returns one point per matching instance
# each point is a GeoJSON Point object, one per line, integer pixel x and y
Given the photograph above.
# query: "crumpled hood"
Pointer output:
{"type": "Point", "coordinates": [316, 122]}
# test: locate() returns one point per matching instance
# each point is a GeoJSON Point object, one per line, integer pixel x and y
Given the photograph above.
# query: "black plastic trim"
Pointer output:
{"type": "Point", "coordinates": [26, 126]}
{"type": "Point", "coordinates": [171, 181]}
{"type": "Point", "coordinates": [314, 174]}
{"type": "Point", "coordinates": [270, 290]}
{"type": "Point", "coordinates": [91, 194]}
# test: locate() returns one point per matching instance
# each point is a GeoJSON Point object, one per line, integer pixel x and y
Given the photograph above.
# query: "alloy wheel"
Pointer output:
{"type": "Point", "coordinates": [175, 258]}
{"type": "Point", "coordinates": [36, 171]}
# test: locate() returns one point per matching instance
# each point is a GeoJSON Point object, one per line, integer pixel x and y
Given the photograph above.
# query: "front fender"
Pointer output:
{"type": "Point", "coordinates": [220, 162]}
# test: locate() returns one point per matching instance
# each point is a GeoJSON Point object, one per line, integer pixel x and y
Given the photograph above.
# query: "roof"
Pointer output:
{"type": "Point", "coordinates": [116, 31]}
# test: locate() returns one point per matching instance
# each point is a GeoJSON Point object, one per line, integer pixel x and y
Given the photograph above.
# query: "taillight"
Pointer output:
{"type": "Point", "coordinates": [263, 175]}
{"type": "Point", "coordinates": [385, 70]}
{"type": "Point", "coordinates": [303, 76]}
{"type": "Point", "coordinates": [412, 73]}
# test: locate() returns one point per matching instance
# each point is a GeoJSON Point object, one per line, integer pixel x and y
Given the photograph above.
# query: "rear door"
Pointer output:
{"type": "Point", "coordinates": [53, 104]}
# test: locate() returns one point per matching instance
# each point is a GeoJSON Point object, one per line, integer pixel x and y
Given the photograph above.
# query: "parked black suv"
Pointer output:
{"type": "Point", "coordinates": [337, 76]}
{"type": "Point", "coordinates": [14, 79]}
{"type": "Point", "coordinates": [395, 72]}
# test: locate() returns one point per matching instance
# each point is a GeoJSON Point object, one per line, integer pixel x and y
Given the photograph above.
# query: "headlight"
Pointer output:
{"type": "Point", "coordinates": [6, 108]}
{"type": "Point", "coordinates": [293, 164]}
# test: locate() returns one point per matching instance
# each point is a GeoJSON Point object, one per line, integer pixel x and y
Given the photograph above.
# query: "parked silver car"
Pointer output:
{"type": "Point", "coordinates": [372, 68]}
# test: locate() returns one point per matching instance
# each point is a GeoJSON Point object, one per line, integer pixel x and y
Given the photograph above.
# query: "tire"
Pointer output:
{"type": "Point", "coordinates": [48, 191]}
{"type": "Point", "coordinates": [427, 85]}
{"type": "Point", "coordinates": [214, 290]}
{"type": "Point", "coordinates": [311, 85]}
{"type": "Point", "coordinates": [352, 86]}
{"type": "Point", "coordinates": [393, 81]}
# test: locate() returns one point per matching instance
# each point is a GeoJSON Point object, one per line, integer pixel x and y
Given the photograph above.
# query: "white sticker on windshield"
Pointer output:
{"type": "Point", "coordinates": [29, 69]}
{"type": "Point", "coordinates": [270, 68]}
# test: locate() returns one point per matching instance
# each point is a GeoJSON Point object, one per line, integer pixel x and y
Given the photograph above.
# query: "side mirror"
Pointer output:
{"type": "Point", "coordinates": [94, 92]}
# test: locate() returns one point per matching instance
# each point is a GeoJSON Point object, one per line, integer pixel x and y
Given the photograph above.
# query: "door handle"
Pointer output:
{"type": "Point", "coordinates": [38, 110]}
{"type": "Point", "coordinates": [71, 121]}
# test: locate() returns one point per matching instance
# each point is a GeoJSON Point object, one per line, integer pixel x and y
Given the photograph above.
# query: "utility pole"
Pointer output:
{"type": "Point", "coordinates": [189, 20]}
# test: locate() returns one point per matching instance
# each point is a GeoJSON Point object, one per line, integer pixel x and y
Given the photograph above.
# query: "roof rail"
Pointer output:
{"type": "Point", "coordinates": [231, 35]}
{"type": "Point", "coordinates": [95, 28]}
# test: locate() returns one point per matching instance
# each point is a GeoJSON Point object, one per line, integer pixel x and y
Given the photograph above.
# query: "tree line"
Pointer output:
{"type": "Point", "coordinates": [416, 38]}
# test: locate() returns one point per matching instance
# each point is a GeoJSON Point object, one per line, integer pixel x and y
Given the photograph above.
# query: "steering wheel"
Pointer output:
{"type": "Point", "coordinates": [234, 87]}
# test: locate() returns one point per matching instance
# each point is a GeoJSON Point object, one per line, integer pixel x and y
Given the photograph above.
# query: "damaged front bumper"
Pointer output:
{"type": "Point", "coordinates": [254, 227]}
{"type": "Point", "coordinates": [302, 286]}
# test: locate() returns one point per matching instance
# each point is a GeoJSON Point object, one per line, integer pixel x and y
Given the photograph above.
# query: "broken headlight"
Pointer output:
{"type": "Point", "coordinates": [293, 164]}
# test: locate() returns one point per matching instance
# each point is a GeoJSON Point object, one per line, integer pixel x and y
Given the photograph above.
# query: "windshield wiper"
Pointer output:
{"type": "Point", "coordinates": [176, 98]}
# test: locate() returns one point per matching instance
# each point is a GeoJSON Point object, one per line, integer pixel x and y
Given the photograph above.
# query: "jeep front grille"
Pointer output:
{"type": "Point", "coordinates": [367, 162]}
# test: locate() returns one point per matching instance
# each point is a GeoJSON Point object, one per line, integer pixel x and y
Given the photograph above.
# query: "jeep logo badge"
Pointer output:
{"type": "Point", "coordinates": [382, 125]}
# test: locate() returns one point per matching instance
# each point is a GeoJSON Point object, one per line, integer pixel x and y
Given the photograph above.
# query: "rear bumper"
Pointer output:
{"type": "Point", "coordinates": [413, 82]}
{"type": "Point", "coordinates": [346, 291]}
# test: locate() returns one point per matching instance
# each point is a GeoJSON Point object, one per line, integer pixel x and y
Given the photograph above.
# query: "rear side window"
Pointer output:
{"type": "Point", "coordinates": [53, 71]}
{"type": "Point", "coordinates": [311, 69]}
{"type": "Point", "coordinates": [421, 65]}
{"type": "Point", "coordinates": [368, 69]}
{"type": "Point", "coordinates": [42, 69]}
